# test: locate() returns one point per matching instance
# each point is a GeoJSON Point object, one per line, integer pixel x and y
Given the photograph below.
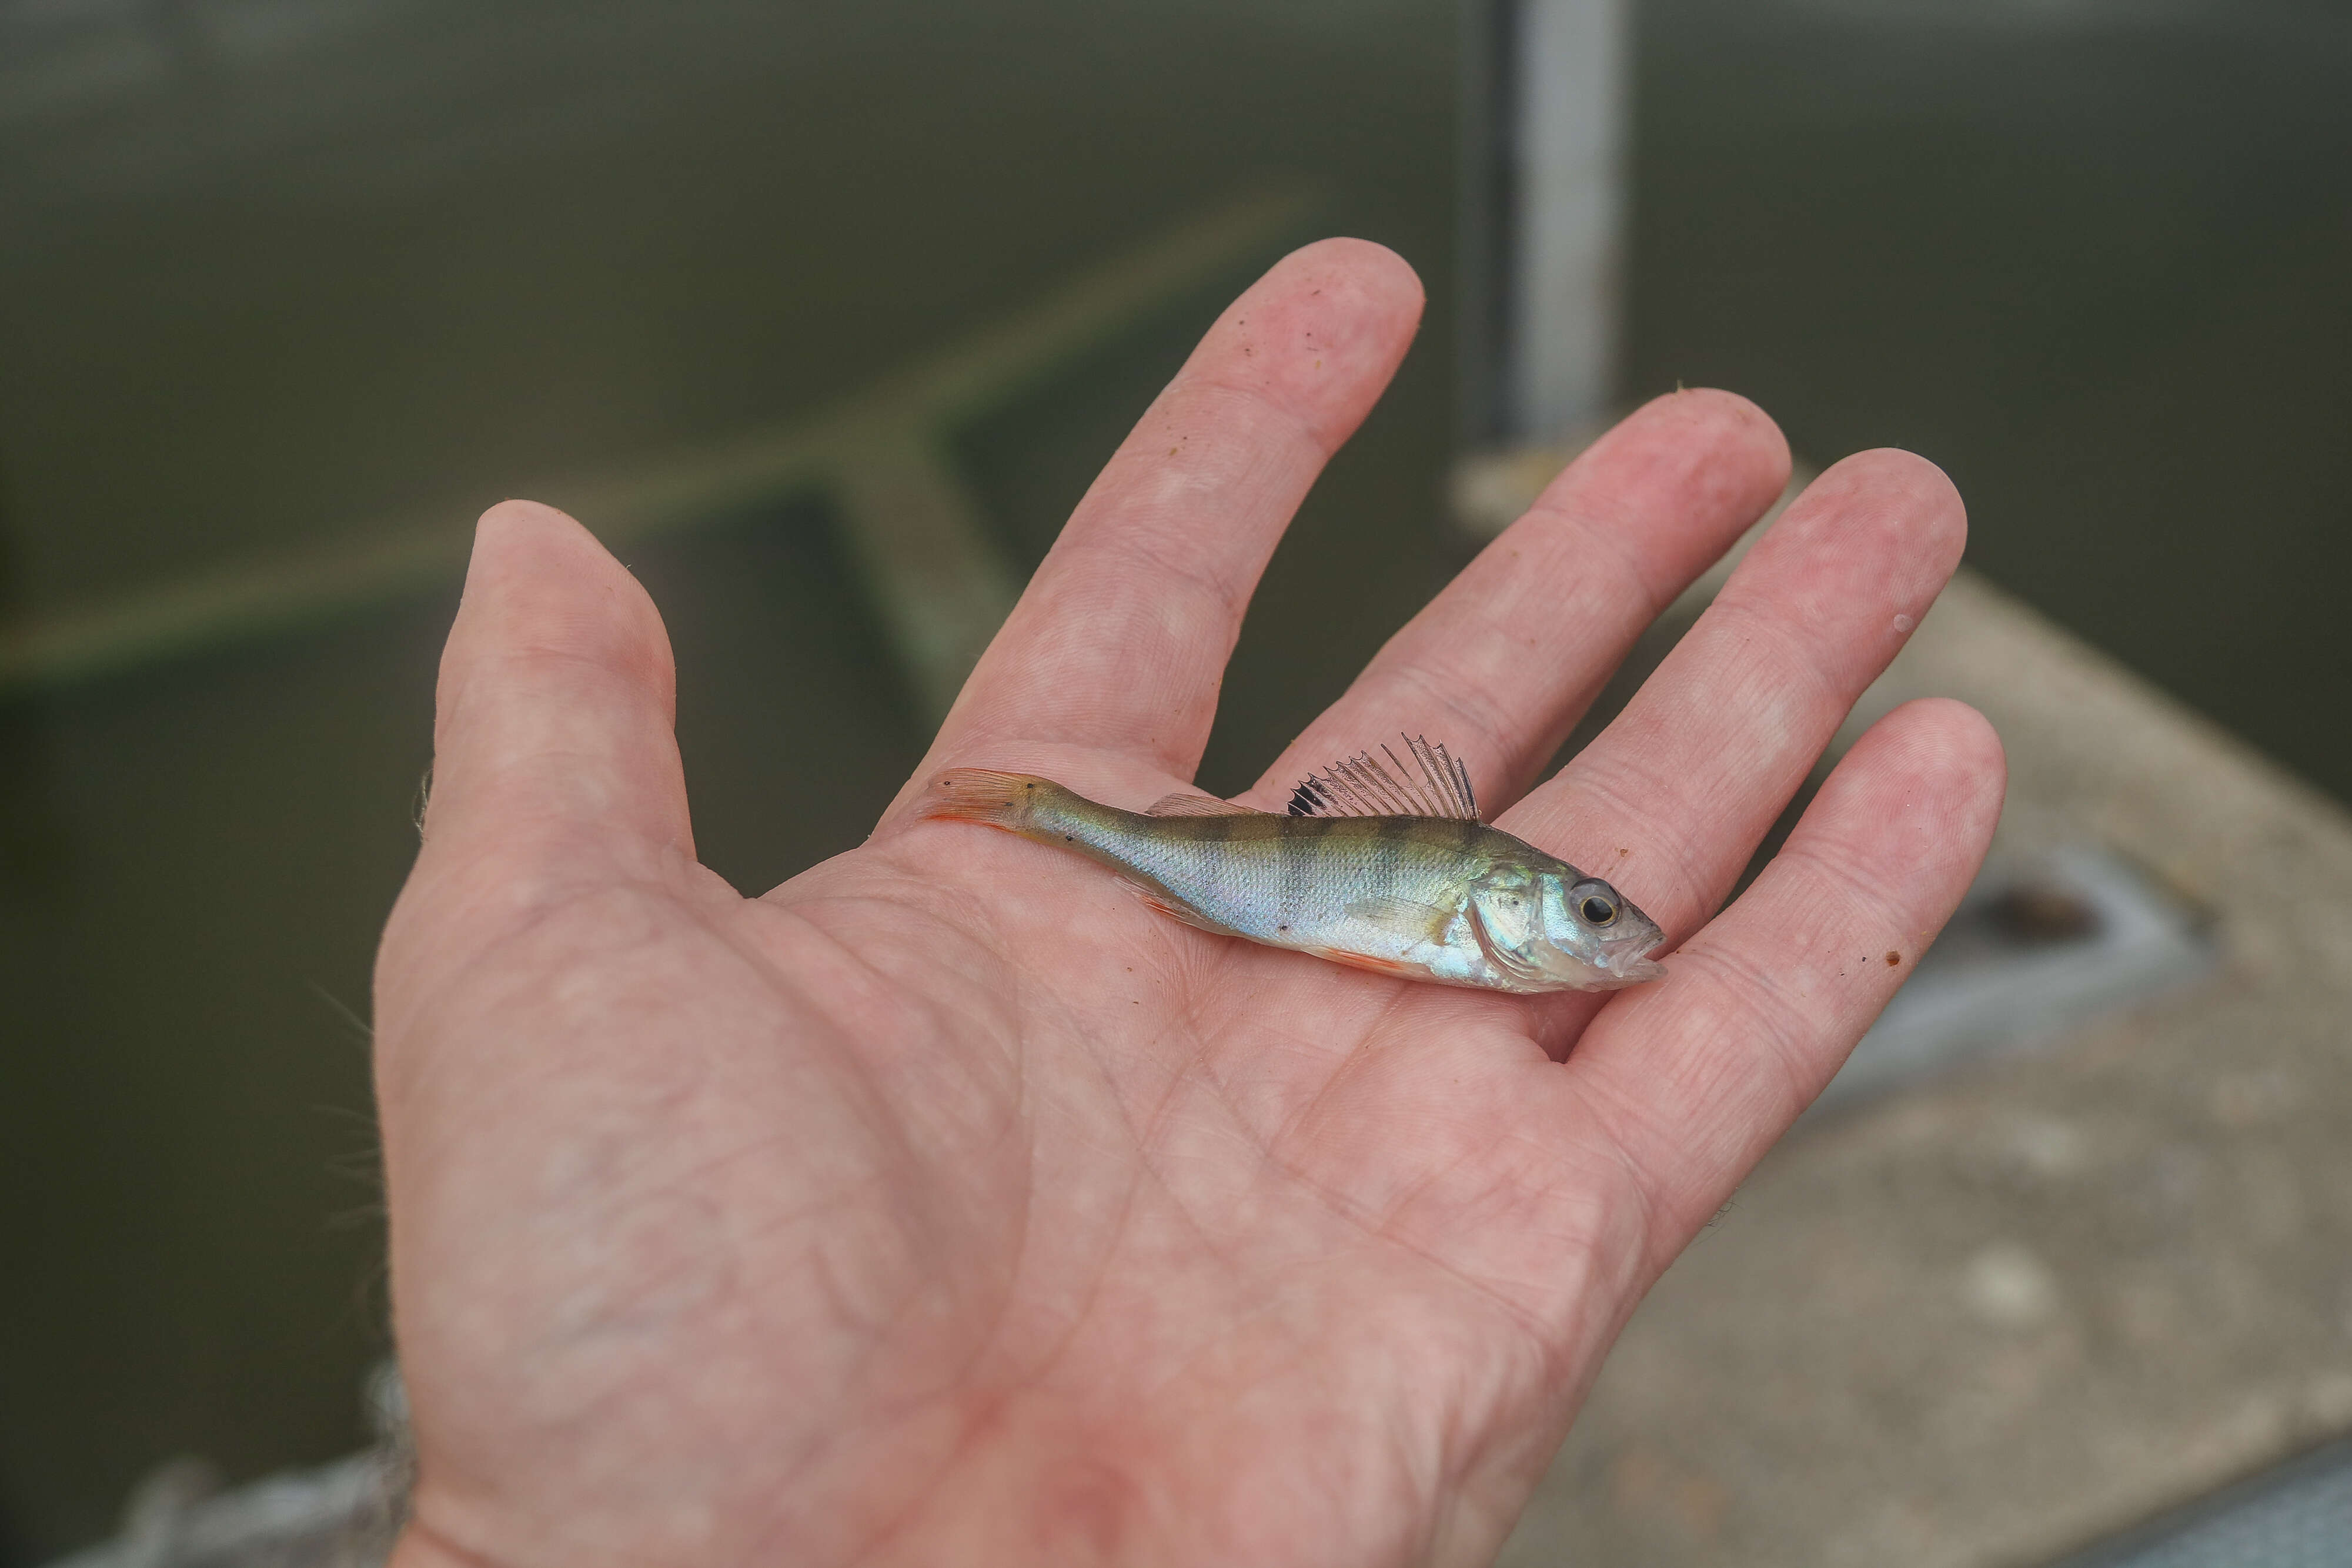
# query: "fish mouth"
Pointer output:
{"type": "Point", "coordinates": [1636, 967]}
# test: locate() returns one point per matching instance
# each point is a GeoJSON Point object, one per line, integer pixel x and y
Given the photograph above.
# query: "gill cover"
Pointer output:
{"type": "Point", "coordinates": [1546, 929]}
{"type": "Point", "coordinates": [1507, 914]}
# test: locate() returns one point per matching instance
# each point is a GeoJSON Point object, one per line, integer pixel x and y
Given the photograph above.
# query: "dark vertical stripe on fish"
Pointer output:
{"type": "Point", "coordinates": [1291, 885]}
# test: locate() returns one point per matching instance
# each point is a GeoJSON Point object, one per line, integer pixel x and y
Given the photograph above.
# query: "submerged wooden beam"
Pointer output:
{"type": "Point", "coordinates": [939, 585]}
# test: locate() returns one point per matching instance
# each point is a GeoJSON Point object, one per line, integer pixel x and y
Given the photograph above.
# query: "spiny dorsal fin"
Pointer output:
{"type": "Point", "coordinates": [1361, 787]}
{"type": "Point", "coordinates": [1184, 805]}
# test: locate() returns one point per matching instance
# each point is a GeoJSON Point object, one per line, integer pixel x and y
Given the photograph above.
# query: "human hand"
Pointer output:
{"type": "Point", "coordinates": [944, 1205]}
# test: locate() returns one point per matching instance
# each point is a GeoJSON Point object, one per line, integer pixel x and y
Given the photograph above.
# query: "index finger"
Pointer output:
{"type": "Point", "coordinates": [1122, 636]}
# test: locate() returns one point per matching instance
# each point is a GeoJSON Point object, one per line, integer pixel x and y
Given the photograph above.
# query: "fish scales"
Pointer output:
{"type": "Point", "coordinates": [1438, 897]}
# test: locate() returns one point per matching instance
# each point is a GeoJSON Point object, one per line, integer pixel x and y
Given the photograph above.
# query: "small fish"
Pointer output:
{"type": "Point", "coordinates": [1370, 868]}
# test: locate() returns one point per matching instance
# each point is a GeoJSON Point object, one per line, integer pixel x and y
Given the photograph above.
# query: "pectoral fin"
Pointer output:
{"type": "Point", "coordinates": [1404, 916]}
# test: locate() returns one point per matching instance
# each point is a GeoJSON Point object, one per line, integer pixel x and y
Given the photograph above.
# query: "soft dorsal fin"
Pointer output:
{"type": "Point", "coordinates": [1361, 787]}
{"type": "Point", "coordinates": [1182, 805]}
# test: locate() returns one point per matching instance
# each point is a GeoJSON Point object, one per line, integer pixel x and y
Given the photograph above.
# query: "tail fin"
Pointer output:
{"type": "Point", "coordinates": [977, 795]}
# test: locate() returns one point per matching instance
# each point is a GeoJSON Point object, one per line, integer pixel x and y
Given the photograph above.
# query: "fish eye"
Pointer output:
{"type": "Point", "coordinates": [1596, 910]}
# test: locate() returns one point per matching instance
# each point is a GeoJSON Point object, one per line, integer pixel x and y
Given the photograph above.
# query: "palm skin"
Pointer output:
{"type": "Point", "coordinates": [944, 1205]}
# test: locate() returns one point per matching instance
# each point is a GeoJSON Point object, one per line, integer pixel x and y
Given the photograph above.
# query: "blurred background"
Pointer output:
{"type": "Point", "coordinates": [787, 301]}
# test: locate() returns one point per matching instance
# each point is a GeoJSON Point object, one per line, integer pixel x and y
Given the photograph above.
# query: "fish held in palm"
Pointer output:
{"type": "Point", "coordinates": [1369, 867]}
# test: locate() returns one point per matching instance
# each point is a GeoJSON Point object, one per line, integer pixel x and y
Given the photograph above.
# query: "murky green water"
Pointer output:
{"type": "Point", "coordinates": [2091, 258]}
{"type": "Point", "coordinates": [273, 270]}
{"type": "Point", "coordinates": [414, 256]}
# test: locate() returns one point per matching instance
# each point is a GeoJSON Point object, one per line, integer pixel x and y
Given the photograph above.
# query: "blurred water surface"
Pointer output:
{"type": "Point", "coordinates": [270, 269]}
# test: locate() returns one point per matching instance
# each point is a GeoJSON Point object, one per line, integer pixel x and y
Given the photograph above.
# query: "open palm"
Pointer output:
{"type": "Point", "coordinates": [945, 1204]}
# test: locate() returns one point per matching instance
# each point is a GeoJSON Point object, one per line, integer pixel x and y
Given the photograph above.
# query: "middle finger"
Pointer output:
{"type": "Point", "coordinates": [1501, 665]}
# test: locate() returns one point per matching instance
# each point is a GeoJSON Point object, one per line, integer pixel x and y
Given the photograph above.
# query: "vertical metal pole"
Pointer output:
{"type": "Point", "coordinates": [1545, 105]}
{"type": "Point", "coordinates": [1570, 125]}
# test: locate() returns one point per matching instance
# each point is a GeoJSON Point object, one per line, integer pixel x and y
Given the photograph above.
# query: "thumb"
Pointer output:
{"type": "Point", "coordinates": [552, 736]}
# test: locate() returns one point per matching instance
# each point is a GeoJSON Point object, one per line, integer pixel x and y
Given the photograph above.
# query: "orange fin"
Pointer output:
{"type": "Point", "coordinates": [1359, 786]}
{"type": "Point", "coordinates": [1392, 968]}
{"type": "Point", "coordinates": [979, 795]}
{"type": "Point", "coordinates": [1160, 904]}
{"type": "Point", "coordinates": [1182, 805]}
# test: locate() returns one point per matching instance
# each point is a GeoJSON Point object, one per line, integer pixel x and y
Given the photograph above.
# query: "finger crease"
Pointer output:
{"type": "Point", "coordinates": [1299, 423]}
{"type": "Point", "coordinates": [1618, 547]}
{"type": "Point", "coordinates": [1487, 724]}
{"type": "Point", "coordinates": [1765, 1004]}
